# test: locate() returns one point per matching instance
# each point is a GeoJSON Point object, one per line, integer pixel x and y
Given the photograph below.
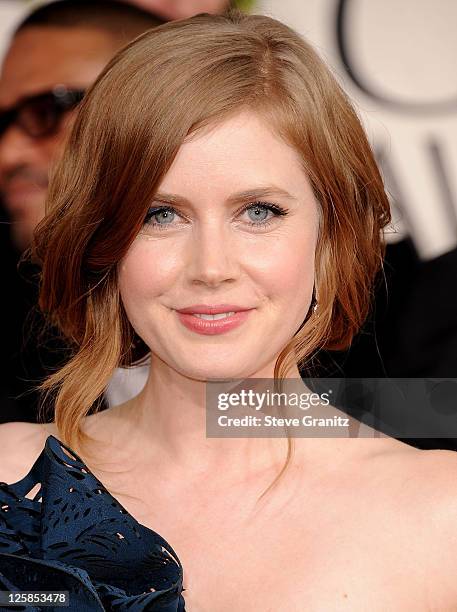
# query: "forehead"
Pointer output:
{"type": "Point", "coordinates": [42, 56]}
{"type": "Point", "coordinates": [243, 148]}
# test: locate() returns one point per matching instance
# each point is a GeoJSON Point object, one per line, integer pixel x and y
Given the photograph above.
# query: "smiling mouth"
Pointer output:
{"type": "Point", "coordinates": [212, 324]}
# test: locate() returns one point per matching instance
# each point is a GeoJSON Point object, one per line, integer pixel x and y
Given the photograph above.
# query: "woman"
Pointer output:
{"type": "Point", "coordinates": [215, 166]}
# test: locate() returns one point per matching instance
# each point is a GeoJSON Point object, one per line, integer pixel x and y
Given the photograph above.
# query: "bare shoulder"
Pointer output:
{"type": "Point", "coordinates": [20, 445]}
{"type": "Point", "coordinates": [427, 476]}
{"type": "Point", "coordinates": [433, 479]}
{"type": "Point", "coordinates": [423, 469]}
{"type": "Point", "coordinates": [423, 484]}
{"type": "Point", "coordinates": [438, 475]}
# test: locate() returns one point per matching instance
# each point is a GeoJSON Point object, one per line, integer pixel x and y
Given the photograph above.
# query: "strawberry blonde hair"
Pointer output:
{"type": "Point", "coordinates": [168, 83]}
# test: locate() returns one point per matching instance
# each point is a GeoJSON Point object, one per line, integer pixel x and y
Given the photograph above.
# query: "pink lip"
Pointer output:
{"type": "Point", "coordinates": [217, 326]}
{"type": "Point", "coordinates": [214, 309]}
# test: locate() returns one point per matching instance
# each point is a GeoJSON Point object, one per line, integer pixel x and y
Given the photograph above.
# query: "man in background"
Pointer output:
{"type": "Point", "coordinates": [54, 55]}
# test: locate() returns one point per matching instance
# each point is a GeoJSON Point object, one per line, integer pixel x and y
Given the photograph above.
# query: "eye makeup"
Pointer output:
{"type": "Point", "coordinates": [276, 210]}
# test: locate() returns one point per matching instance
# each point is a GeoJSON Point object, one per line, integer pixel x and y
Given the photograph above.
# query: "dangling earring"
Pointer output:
{"type": "Point", "coordinates": [312, 308]}
{"type": "Point", "coordinates": [314, 303]}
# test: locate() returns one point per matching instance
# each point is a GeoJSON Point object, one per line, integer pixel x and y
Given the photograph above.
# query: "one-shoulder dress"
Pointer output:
{"type": "Point", "coordinates": [74, 536]}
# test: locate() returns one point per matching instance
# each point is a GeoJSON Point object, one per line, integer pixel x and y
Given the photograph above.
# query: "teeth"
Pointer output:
{"type": "Point", "coordinates": [209, 317]}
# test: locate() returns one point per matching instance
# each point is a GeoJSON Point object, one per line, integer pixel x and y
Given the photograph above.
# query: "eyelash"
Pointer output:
{"type": "Point", "coordinates": [278, 211]}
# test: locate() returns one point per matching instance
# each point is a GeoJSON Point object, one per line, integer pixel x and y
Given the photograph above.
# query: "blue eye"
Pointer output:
{"type": "Point", "coordinates": [156, 215]}
{"type": "Point", "coordinates": [258, 211]}
{"type": "Point", "coordinates": [165, 211]}
{"type": "Point", "coordinates": [259, 208]}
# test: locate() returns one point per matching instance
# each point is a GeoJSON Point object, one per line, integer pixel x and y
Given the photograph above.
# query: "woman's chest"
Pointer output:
{"type": "Point", "coordinates": [273, 581]}
{"type": "Point", "coordinates": [284, 565]}
{"type": "Point", "coordinates": [330, 552]}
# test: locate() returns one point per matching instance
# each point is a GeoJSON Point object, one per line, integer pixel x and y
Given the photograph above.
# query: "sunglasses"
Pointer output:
{"type": "Point", "coordinates": [40, 115]}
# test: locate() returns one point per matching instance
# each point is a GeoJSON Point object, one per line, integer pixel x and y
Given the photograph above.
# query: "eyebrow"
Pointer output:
{"type": "Point", "coordinates": [240, 196]}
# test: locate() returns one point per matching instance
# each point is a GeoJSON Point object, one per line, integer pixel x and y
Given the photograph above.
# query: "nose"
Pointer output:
{"type": "Point", "coordinates": [16, 149]}
{"type": "Point", "coordinates": [213, 255]}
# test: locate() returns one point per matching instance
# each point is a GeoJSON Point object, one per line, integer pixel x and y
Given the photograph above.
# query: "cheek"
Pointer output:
{"type": "Point", "coordinates": [286, 267]}
{"type": "Point", "coordinates": [144, 274]}
{"type": "Point", "coordinates": [297, 270]}
{"type": "Point", "coordinates": [146, 270]}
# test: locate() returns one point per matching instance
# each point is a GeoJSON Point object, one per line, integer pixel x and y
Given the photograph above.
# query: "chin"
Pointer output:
{"type": "Point", "coordinates": [217, 374]}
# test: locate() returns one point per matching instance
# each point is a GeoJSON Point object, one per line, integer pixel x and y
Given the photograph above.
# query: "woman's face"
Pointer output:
{"type": "Point", "coordinates": [208, 248]}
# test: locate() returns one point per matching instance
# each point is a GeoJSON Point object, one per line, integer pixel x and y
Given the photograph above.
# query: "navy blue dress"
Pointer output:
{"type": "Point", "coordinates": [75, 536]}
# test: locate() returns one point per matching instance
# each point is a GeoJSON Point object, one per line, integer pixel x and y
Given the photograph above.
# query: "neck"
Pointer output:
{"type": "Point", "coordinates": [167, 420]}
